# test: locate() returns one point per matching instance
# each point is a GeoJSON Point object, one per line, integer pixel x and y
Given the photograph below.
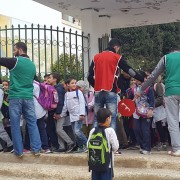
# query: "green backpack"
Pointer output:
{"type": "Point", "coordinates": [99, 156]}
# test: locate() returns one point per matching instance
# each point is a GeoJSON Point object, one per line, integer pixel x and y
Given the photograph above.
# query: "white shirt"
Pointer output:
{"type": "Point", "coordinates": [39, 110]}
{"type": "Point", "coordinates": [73, 104]}
{"type": "Point", "coordinates": [111, 138]}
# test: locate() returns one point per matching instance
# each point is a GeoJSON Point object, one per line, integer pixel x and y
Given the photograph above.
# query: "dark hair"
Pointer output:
{"type": "Point", "coordinates": [143, 74]}
{"type": "Point", "coordinates": [56, 76]}
{"type": "Point", "coordinates": [36, 78]}
{"type": "Point", "coordinates": [5, 81]}
{"type": "Point", "coordinates": [46, 75]}
{"type": "Point", "coordinates": [0, 81]}
{"type": "Point", "coordinates": [21, 45]}
{"type": "Point", "coordinates": [103, 114]}
{"type": "Point", "coordinates": [69, 80]}
{"type": "Point", "coordinates": [114, 42]}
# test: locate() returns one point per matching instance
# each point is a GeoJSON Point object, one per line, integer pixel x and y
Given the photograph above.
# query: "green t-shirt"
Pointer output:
{"type": "Point", "coordinates": [172, 74]}
{"type": "Point", "coordinates": [21, 79]}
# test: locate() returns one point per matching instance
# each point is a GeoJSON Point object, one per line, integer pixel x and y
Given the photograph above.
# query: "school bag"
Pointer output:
{"type": "Point", "coordinates": [48, 96]}
{"type": "Point", "coordinates": [142, 106]}
{"type": "Point", "coordinates": [86, 103]}
{"type": "Point", "coordinates": [99, 156]}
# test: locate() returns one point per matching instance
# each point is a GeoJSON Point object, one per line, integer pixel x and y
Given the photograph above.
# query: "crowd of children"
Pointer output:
{"type": "Point", "coordinates": [69, 126]}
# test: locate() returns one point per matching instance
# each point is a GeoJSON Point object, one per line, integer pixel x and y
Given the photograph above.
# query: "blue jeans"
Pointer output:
{"type": "Point", "coordinates": [79, 135]}
{"type": "Point", "coordinates": [17, 107]}
{"type": "Point", "coordinates": [143, 133]}
{"type": "Point", "coordinates": [108, 99]}
{"type": "Point", "coordinates": [102, 175]}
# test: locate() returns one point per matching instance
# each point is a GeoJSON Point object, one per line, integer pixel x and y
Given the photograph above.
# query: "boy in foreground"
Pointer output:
{"type": "Point", "coordinates": [104, 120]}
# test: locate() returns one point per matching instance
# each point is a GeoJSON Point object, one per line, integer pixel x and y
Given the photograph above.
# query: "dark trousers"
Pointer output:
{"type": "Point", "coordinates": [143, 133]}
{"type": "Point", "coordinates": [102, 175]}
{"type": "Point", "coordinates": [161, 131]}
{"type": "Point", "coordinates": [51, 130]}
{"type": "Point", "coordinates": [42, 133]}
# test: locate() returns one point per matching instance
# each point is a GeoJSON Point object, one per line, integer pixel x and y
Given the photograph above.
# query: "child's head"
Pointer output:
{"type": "Point", "coordinates": [53, 79]}
{"type": "Point", "coordinates": [46, 77]}
{"type": "Point", "coordinates": [71, 84]}
{"type": "Point", "coordinates": [82, 86]}
{"type": "Point", "coordinates": [104, 116]}
{"type": "Point", "coordinates": [144, 75]}
{"type": "Point", "coordinates": [5, 84]}
{"type": "Point", "coordinates": [132, 82]}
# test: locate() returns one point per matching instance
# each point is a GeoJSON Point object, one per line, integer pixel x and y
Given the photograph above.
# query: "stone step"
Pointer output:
{"type": "Point", "coordinates": [26, 171]}
{"type": "Point", "coordinates": [129, 159]}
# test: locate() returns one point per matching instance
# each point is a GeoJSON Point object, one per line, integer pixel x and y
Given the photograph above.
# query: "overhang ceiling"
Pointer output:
{"type": "Point", "coordinates": [122, 13]}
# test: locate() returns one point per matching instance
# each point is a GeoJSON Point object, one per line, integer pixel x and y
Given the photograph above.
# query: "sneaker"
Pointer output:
{"type": "Point", "coordinates": [38, 153]}
{"type": "Point", "coordinates": [145, 152]}
{"type": "Point", "coordinates": [140, 150]}
{"type": "Point", "coordinates": [176, 153]}
{"type": "Point", "coordinates": [59, 150]}
{"type": "Point", "coordinates": [85, 149]}
{"type": "Point", "coordinates": [70, 147]}
{"type": "Point", "coordinates": [18, 155]}
{"type": "Point", "coordinates": [46, 151]}
{"type": "Point", "coordinates": [79, 150]}
{"type": "Point", "coordinates": [118, 152]}
{"type": "Point", "coordinates": [26, 151]}
{"type": "Point", "coordinates": [9, 149]}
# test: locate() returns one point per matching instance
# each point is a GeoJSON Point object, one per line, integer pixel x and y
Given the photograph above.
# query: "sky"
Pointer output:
{"type": "Point", "coordinates": [30, 11]}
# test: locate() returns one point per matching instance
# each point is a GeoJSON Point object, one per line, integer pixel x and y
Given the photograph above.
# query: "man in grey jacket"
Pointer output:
{"type": "Point", "coordinates": [170, 63]}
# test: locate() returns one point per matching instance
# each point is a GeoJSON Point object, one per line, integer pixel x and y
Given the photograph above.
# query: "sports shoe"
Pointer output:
{"type": "Point", "coordinates": [175, 153]}
{"type": "Point", "coordinates": [9, 149]}
{"type": "Point", "coordinates": [70, 147]}
{"type": "Point", "coordinates": [145, 152]}
{"type": "Point", "coordinates": [79, 150]}
{"type": "Point", "coordinates": [118, 152]}
{"type": "Point", "coordinates": [26, 151]}
{"type": "Point", "coordinates": [60, 150]}
{"type": "Point", "coordinates": [36, 153]}
{"type": "Point", "coordinates": [46, 151]}
{"type": "Point", "coordinates": [18, 155]}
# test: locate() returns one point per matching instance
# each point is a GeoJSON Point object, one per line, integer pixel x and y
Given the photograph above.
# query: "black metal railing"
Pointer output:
{"type": "Point", "coordinates": [50, 49]}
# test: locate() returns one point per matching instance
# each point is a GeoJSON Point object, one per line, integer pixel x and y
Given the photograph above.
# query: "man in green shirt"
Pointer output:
{"type": "Point", "coordinates": [170, 63]}
{"type": "Point", "coordinates": [22, 72]}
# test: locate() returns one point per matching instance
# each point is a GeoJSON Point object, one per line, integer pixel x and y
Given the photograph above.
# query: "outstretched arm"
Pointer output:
{"type": "Point", "coordinates": [9, 63]}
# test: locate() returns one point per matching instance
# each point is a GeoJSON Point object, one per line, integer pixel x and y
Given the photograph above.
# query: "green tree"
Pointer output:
{"type": "Point", "coordinates": [69, 66]}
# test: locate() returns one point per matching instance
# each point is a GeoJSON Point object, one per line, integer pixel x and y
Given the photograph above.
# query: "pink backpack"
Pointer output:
{"type": "Point", "coordinates": [48, 96]}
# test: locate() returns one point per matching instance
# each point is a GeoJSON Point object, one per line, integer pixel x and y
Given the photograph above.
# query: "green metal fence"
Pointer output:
{"type": "Point", "coordinates": [50, 49]}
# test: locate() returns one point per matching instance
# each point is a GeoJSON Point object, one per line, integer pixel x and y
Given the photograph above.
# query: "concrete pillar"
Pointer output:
{"type": "Point", "coordinates": [96, 26]}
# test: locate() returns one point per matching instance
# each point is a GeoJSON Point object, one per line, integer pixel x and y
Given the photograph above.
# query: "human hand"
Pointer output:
{"type": "Point", "coordinates": [57, 116]}
{"type": "Point", "coordinates": [137, 95]}
{"type": "Point", "coordinates": [150, 113]}
{"type": "Point", "coordinates": [81, 117]}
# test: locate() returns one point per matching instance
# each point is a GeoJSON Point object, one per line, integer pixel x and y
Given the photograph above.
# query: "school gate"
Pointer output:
{"type": "Point", "coordinates": [50, 49]}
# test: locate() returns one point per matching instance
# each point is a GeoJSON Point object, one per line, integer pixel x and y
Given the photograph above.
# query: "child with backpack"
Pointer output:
{"type": "Point", "coordinates": [40, 116]}
{"type": "Point", "coordinates": [102, 144]}
{"type": "Point", "coordinates": [54, 79]}
{"type": "Point", "coordinates": [89, 98]}
{"type": "Point", "coordinates": [74, 103]}
{"type": "Point", "coordinates": [143, 116]}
